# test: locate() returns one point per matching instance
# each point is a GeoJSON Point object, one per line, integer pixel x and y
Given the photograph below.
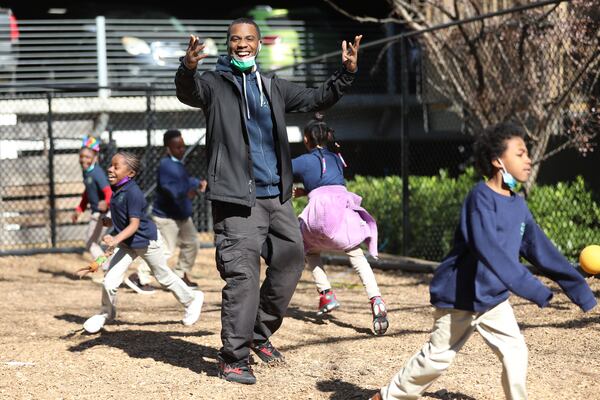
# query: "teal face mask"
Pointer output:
{"type": "Point", "coordinates": [507, 178]}
{"type": "Point", "coordinates": [244, 65]}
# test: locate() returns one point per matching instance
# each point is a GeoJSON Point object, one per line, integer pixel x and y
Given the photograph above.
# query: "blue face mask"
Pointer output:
{"type": "Point", "coordinates": [507, 178]}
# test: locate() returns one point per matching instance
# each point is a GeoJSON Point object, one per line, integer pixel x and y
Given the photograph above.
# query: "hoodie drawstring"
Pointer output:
{"type": "Point", "coordinates": [260, 89]}
{"type": "Point", "coordinates": [246, 95]}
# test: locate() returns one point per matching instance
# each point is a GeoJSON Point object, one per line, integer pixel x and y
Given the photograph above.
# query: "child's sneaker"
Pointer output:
{"type": "Point", "coordinates": [95, 323]}
{"type": "Point", "coordinates": [238, 371]}
{"type": "Point", "coordinates": [380, 321]}
{"type": "Point", "coordinates": [376, 396]}
{"type": "Point", "coordinates": [133, 282]}
{"type": "Point", "coordinates": [192, 311]}
{"type": "Point", "coordinates": [327, 302]}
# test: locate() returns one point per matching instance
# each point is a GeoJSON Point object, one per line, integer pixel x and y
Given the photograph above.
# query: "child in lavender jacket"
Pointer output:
{"type": "Point", "coordinates": [334, 219]}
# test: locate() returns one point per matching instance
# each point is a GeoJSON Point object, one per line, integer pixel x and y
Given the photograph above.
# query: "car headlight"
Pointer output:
{"type": "Point", "coordinates": [135, 46]}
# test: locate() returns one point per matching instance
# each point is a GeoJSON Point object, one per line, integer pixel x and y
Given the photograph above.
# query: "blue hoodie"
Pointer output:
{"type": "Point", "coordinates": [259, 124]}
{"type": "Point", "coordinates": [483, 266]}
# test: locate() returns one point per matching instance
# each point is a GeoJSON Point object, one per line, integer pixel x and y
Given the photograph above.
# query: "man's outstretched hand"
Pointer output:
{"type": "Point", "coordinates": [194, 53]}
{"type": "Point", "coordinates": [350, 54]}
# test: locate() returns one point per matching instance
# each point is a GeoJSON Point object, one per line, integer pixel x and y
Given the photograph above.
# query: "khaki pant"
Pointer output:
{"type": "Point", "coordinates": [175, 231]}
{"type": "Point", "coordinates": [154, 256]}
{"type": "Point", "coordinates": [359, 263]}
{"type": "Point", "coordinates": [94, 233]}
{"type": "Point", "coordinates": [452, 328]}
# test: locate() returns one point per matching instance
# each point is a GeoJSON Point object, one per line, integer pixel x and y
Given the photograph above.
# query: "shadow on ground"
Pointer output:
{"type": "Point", "coordinates": [78, 319]}
{"type": "Point", "coordinates": [341, 390]}
{"type": "Point", "coordinates": [570, 324]}
{"type": "Point", "coordinates": [445, 395]}
{"type": "Point", "coordinates": [64, 274]}
{"type": "Point", "coordinates": [365, 333]}
{"type": "Point", "coordinates": [158, 346]}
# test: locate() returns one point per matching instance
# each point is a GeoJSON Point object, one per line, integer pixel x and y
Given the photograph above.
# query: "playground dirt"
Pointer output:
{"type": "Point", "coordinates": [148, 354]}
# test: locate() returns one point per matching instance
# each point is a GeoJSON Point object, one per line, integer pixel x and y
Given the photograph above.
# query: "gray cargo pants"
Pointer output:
{"type": "Point", "coordinates": [251, 312]}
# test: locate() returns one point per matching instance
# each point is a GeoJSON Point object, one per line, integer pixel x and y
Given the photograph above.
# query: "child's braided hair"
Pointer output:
{"type": "Point", "coordinates": [320, 135]}
{"type": "Point", "coordinates": [131, 160]}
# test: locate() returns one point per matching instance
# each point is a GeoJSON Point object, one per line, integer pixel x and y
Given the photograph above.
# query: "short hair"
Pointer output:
{"type": "Point", "coordinates": [170, 135]}
{"type": "Point", "coordinates": [132, 161]}
{"type": "Point", "coordinates": [491, 144]}
{"type": "Point", "coordinates": [242, 20]}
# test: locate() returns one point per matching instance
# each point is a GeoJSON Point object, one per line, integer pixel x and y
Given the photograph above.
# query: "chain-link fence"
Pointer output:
{"type": "Point", "coordinates": [406, 128]}
{"type": "Point", "coordinates": [40, 178]}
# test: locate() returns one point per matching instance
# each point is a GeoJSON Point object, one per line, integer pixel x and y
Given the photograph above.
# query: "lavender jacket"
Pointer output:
{"type": "Point", "coordinates": [334, 220]}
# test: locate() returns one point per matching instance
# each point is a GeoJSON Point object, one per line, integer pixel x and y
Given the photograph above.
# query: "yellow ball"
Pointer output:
{"type": "Point", "coordinates": [589, 259]}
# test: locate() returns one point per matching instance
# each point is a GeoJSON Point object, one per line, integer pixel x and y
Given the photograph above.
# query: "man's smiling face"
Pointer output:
{"type": "Point", "coordinates": [243, 40]}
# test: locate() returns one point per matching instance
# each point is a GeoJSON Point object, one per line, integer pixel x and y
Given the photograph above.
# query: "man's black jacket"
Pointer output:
{"type": "Point", "coordinates": [230, 173]}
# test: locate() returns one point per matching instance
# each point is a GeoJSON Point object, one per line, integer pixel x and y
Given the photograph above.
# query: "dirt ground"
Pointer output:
{"type": "Point", "coordinates": [148, 354]}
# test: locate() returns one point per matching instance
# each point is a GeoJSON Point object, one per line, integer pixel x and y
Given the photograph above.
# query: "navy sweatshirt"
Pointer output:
{"type": "Point", "coordinates": [259, 124]}
{"type": "Point", "coordinates": [308, 167]}
{"type": "Point", "coordinates": [483, 267]}
{"type": "Point", "coordinates": [128, 201]}
{"type": "Point", "coordinates": [173, 185]}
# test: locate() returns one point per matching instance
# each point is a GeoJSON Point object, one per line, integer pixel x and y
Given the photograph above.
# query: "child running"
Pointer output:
{"type": "Point", "coordinates": [172, 214]}
{"type": "Point", "coordinates": [334, 220]}
{"type": "Point", "coordinates": [471, 287]}
{"type": "Point", "coordinates": [136, 235]}
{"type": "Point", "coordinates": [97, 194]}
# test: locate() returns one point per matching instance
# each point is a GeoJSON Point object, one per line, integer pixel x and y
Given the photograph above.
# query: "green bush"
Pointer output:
{"type": "Point", "coordinates": [567, 212]}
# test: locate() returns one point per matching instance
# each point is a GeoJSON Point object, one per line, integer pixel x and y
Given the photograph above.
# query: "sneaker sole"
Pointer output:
{"type": "Point", "coordinates": [380, 325]}
{"type": "Point", "coordinates": [237, 380]}
{"type": "Point", "coordinates": [380, 321]}
{"type": "Point", "coordinates": [328, 308]}
{"type": "Point", "coordinates": [136, 288]}
{"type": "Point", "coordinates": [92, 326]}
{"type": "Point", "coordinates": [270, 360]}
{"type": "Point", "coordinates": [189, 322]}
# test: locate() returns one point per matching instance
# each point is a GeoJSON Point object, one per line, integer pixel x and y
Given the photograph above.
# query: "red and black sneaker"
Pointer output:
{"type": "Point", "coordinates": [267, 352]}
{"type": "Point", "coordinates": [238, 371]}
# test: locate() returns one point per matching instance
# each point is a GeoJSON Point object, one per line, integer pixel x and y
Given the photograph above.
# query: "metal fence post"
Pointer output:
{"type": "Point", "coordinates": [149, 153]}
{"type": "Point", "coordinates": [404, 143]}
{"type": "Point", "coordinates": [101, 57]}
{"type": "Point", "coordinates": [149, 118]}
{"type": "Point", "coordinates": [391, 60]}
{"type": "Point", "coordinates": [51, 189]}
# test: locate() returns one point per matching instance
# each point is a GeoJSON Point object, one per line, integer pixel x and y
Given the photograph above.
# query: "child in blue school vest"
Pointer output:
{"type": "Point", "coordinates": [136, 235]}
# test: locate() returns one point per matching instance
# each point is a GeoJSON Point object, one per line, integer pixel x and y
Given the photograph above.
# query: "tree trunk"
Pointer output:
{"type": "Point", "coordinates": [537, 153]}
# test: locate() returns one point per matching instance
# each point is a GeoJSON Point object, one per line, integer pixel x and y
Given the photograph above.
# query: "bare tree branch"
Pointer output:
{"type": "Point", "coordinates": [565, 145]}
{"type": "Point", "coordinates": [362, 19]}
{"type": "Point", "coordinates": [537, 66]}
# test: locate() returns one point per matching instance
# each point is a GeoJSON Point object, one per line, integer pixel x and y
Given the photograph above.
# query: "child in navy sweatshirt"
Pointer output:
{"type": "Point", "coordinates": [172, 214]}
{"type": "Point", "coordinates": [471, 287]}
